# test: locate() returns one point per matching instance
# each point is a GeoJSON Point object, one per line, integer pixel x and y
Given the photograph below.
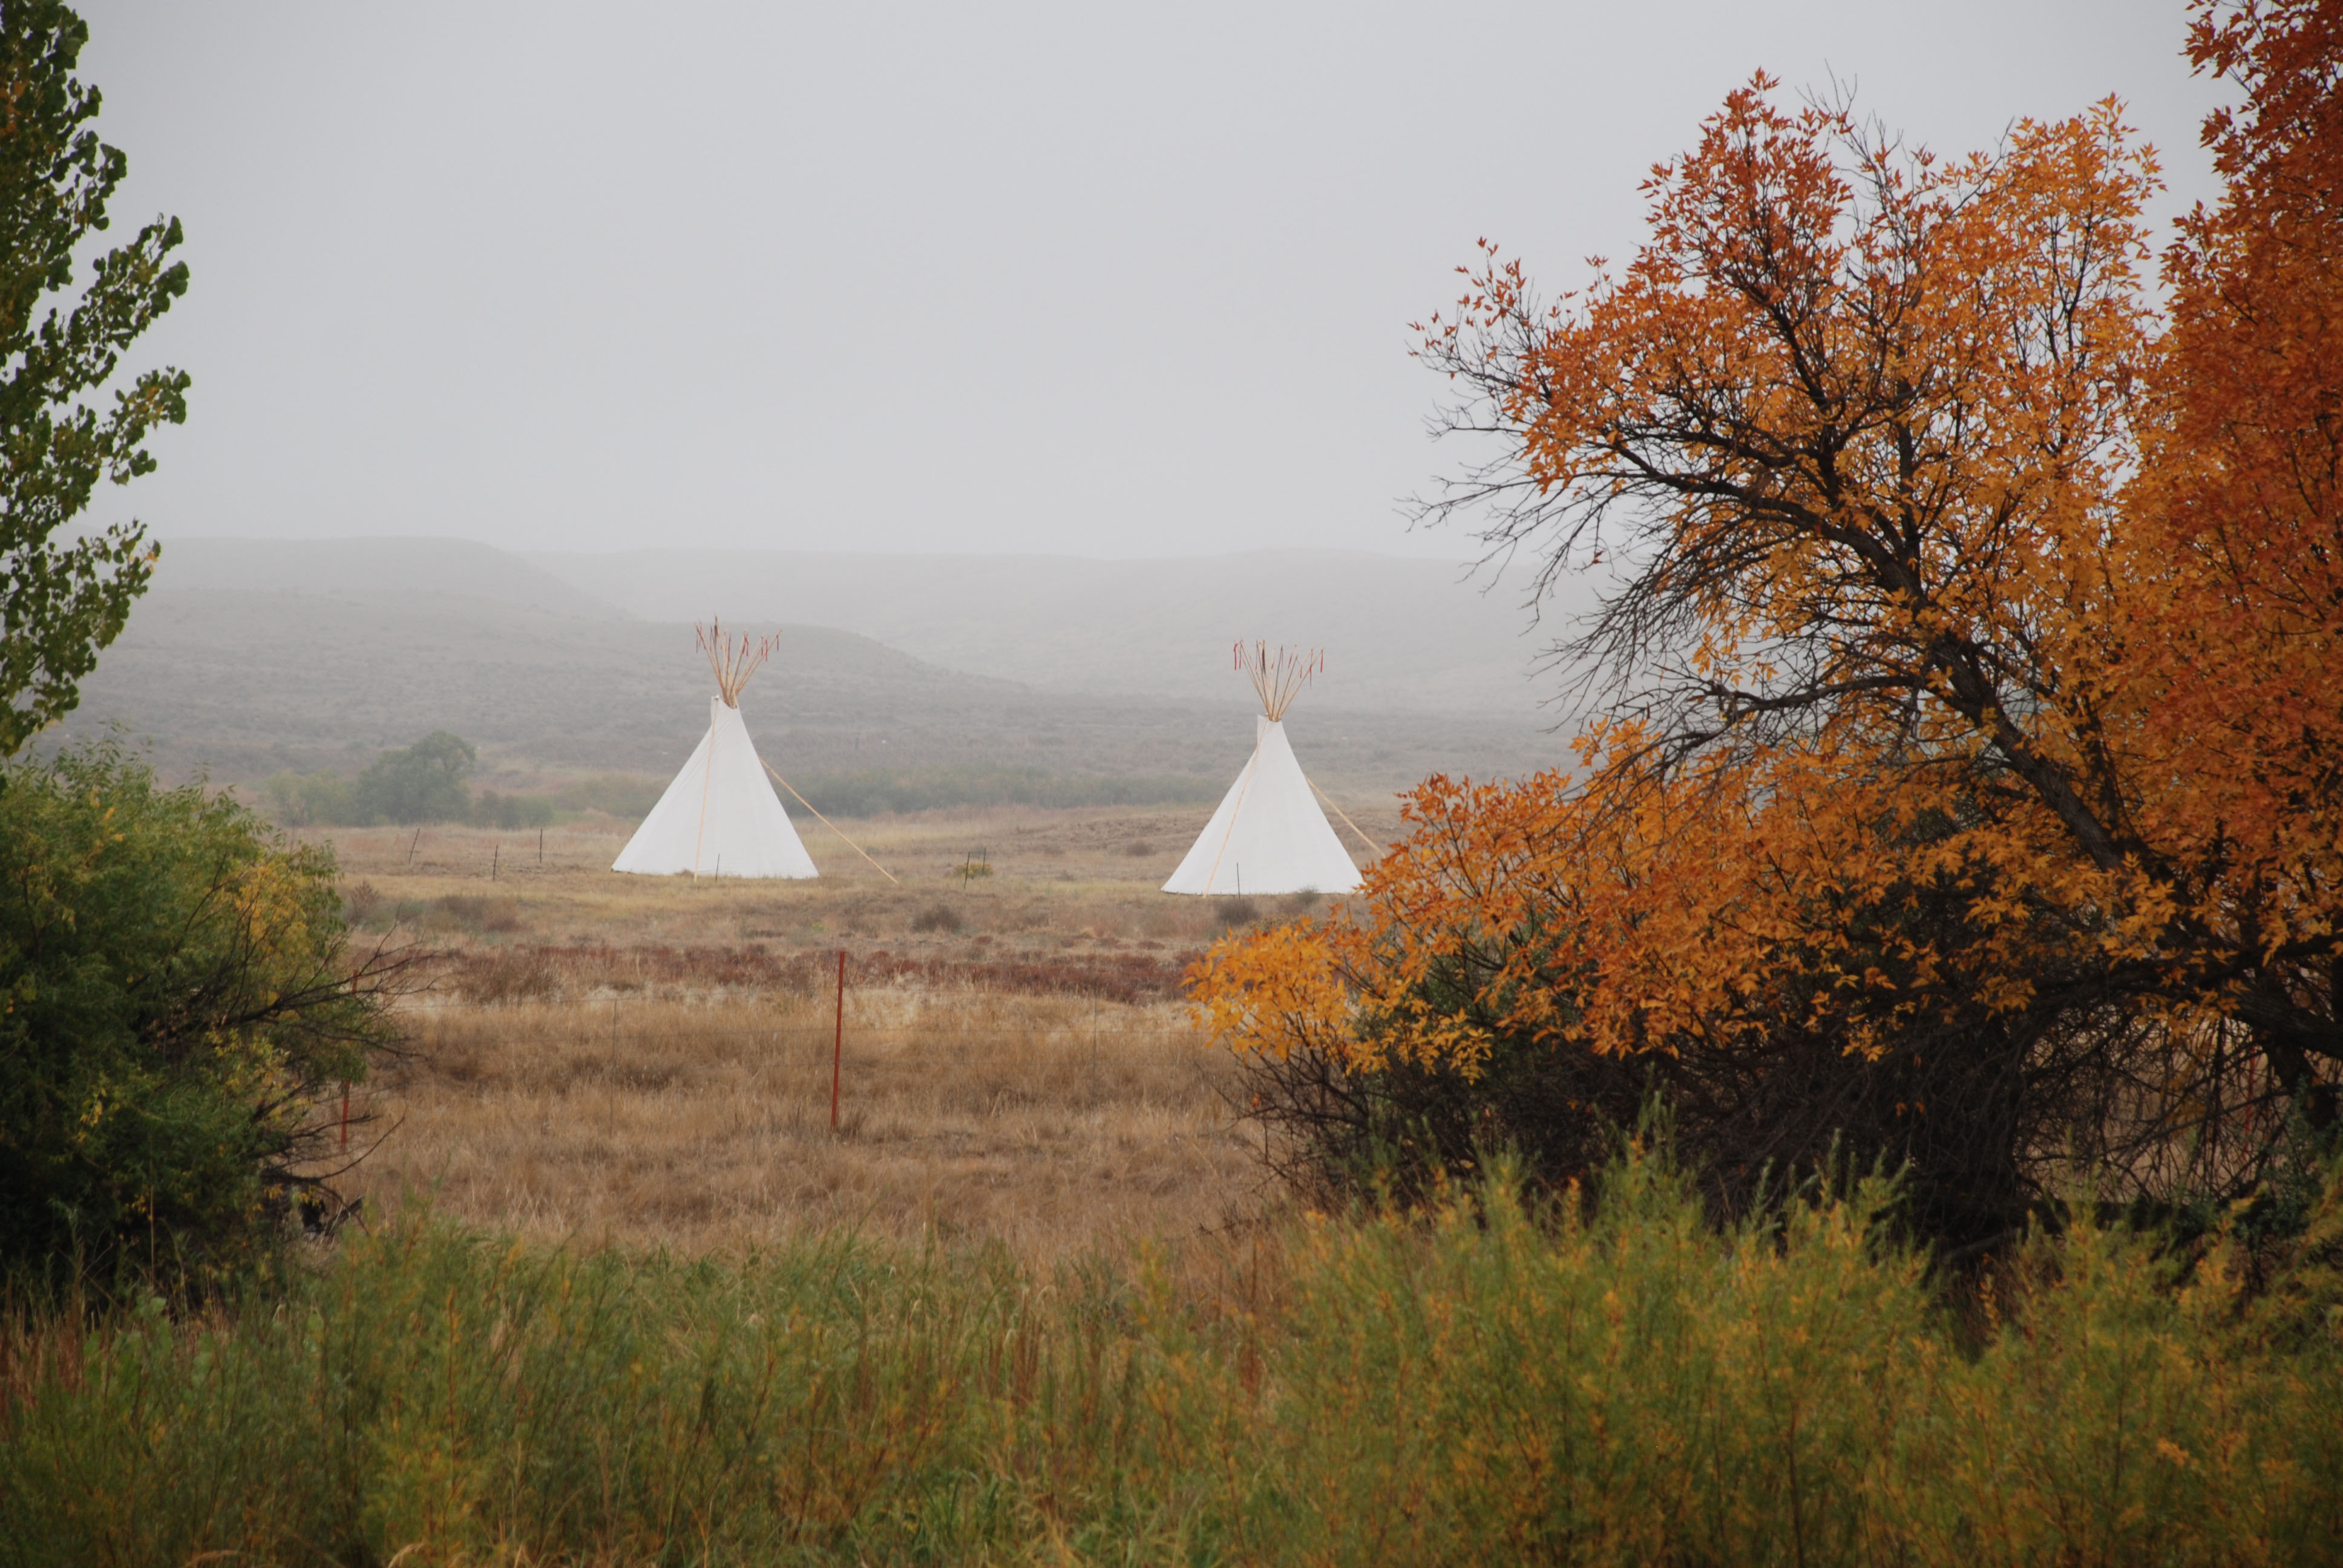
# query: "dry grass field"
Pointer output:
{"type": "Point", "coordinates": [648, 1060]}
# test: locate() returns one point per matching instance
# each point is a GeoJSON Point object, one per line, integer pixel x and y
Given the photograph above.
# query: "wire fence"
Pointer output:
{"type": "Point", "coordinates": [880, 1019]}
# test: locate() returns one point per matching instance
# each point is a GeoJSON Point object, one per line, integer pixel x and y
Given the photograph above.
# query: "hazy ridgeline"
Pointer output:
{"type": "Point", "coordinates": [251, 659]}
{"type": "Point", "coordinates": [1624, 1386]}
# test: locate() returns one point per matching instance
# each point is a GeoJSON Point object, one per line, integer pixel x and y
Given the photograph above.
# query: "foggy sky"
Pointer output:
{"type": "Point", "coordinates": [1098, 279]}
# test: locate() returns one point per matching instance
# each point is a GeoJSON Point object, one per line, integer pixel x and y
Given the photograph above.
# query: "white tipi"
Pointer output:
{"type": "Point", "coordinates": [1268, 836]}
{"type": "Point", "coordinates": [720, 818]}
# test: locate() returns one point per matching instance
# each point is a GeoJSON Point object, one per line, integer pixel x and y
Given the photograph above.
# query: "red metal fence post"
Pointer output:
{"type": "Point", "coordinates": [838, 1040]}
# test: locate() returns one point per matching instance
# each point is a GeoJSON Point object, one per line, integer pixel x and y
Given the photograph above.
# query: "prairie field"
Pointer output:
{"type": "Point", "coordinates": [610, 1058]}
{"type": "Point", "coordinates": [1034, 1301]}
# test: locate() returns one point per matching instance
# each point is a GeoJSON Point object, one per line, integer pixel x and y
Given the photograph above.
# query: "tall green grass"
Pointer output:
{"type": "Point", "coordinates": [1482, 1385]}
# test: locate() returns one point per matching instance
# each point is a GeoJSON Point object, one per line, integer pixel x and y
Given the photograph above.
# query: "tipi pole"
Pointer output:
{"type": "Point", "coordinates": [1373, 848]}
{"type": "Point", "coordinates": [1229, 832]}
{"type": "Point", "coordinates": [707, 782]}
{"type": "Point", "coordinates": [826, 821]}
{"type": "Point", "coordinates": [837, 1041]}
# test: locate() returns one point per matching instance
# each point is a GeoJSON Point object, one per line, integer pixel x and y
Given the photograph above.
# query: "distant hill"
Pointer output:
{"type": "Point", "coordinates": [374, 570]}
{"type": "Point", "coordinates": [1399, 632]}
{"type": "Point", "coordinates": [243, 660]}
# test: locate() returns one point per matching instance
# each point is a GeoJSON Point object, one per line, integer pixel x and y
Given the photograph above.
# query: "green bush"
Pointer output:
{"type": "Point", "coordinates": [1487, 1382]}
{"type": "Point", "coordinates": [491, 810]}
{"type": "Point", "coordinates": [423, 783]}
{"type": "Point", "coordinates": [177, 996]}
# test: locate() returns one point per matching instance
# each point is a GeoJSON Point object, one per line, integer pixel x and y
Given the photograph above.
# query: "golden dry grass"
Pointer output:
{"type": "Point", "coordinates": [1050, 1121]}
{"type": "Point", "coordinates": [647, 1061]}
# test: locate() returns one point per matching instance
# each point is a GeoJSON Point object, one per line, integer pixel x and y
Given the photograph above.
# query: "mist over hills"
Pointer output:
{"type": "Point", "coordinates": [1399, 632]}
{"type": "Point", "coordinates": [249, 656]}
{"type": "Point", "coordinates": [371, 569]}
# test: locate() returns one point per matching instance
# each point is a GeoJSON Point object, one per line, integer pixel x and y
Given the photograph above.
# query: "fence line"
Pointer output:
{"type": "Point", "coordinates": [1089, 1006]}
{"type": "Point", "coordinates": [1076, 1034]}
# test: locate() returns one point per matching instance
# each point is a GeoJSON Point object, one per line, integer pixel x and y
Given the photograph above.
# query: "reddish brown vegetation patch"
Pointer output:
{"type": "Point", "coordinates": [545, 973]}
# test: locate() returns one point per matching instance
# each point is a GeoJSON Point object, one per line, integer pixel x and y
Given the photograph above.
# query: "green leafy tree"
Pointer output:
{"type": "Point", "coordinates": [176, 1002]}
{"type": "Point", "coordinates": [423, 783]}
{"type": "Point", "coordinates": [61, 602]}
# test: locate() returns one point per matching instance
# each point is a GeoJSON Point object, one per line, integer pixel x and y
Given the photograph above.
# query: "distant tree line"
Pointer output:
{"type": "Point", "coordinates": [425, 782]}
{"type": "Point", "coordinates": [873, 792]}
{"type": "Point", "coordinates": [428, 782]}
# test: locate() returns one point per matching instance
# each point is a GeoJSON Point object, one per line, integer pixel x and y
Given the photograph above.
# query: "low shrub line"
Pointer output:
{"type": "Point", "coordinates": [530, 973]}
{"type": "Point", "coordinates": [1612, 1382]}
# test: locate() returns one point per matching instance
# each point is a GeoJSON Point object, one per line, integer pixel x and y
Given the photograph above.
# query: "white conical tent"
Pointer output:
{"type": "Point", "coordinates": [720, 818]}
{"type": "Point", "coordinates": [1269, 835]}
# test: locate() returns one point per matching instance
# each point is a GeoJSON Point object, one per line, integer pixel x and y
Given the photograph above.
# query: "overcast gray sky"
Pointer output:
{"type": "Point", "coordinates": [1100, 279]}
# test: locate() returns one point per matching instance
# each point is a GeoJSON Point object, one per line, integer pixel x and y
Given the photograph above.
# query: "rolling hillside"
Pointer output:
{"type": "Point", "coordinates": [1399, 632]}
{"type": "Point", "coordinates": [249, 658]}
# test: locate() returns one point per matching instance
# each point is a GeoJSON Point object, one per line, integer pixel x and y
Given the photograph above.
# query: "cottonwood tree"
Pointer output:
{"type": "Point", "coordinates": [61, 600]}
{"type": "Point", "coordinates": [1971, 675]}
{"type": "Point", "coordinates": [2233, 659]}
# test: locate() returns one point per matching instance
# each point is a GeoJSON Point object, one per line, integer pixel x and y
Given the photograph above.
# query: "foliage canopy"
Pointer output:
{"type": "Point", "coordinates": [60, 603]}
{"type": "Point", "coordinates": [422, 783]}
{"type": "Point", "coordinates": [1972, 705]}
{"type": "Point", "coordinates": [175, 997]}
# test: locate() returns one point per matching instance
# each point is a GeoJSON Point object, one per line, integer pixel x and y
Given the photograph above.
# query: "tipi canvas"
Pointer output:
{"type": "Point", "coordinates": [1269, 835]}
{"type": "Point", "coordinates": [720, 818]}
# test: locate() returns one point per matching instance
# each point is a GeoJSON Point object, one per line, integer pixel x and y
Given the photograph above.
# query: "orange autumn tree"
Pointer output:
{"type": "Point", "coordinates": [1900, 823]}
{"type": "Point", "coordinates": [2234, 648]}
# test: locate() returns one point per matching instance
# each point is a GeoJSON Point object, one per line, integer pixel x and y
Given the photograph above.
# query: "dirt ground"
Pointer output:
{"type": "Point", "coordinates": [650, 1059]}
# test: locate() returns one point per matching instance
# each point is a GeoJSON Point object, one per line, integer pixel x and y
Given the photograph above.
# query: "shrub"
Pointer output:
{"type": "Point", "coordinates": [494, 810]}
{"type": "Point", "coordinates": [360, 902]}
{"type": "Point", "coordinates": [423, 783]}
{"type": "Point", "coordinates": [937, 918]}
{"type": "Point", "coordinates": [178, 997]}
{"type": "Point", "coordinates": [1452, 1004]}
{"type": "Point", "coordinates": [1589, 1382]}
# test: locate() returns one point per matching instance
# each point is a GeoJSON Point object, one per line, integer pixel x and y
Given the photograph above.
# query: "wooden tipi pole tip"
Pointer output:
{"type": "Point", "coordinates": [1278, 674]}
